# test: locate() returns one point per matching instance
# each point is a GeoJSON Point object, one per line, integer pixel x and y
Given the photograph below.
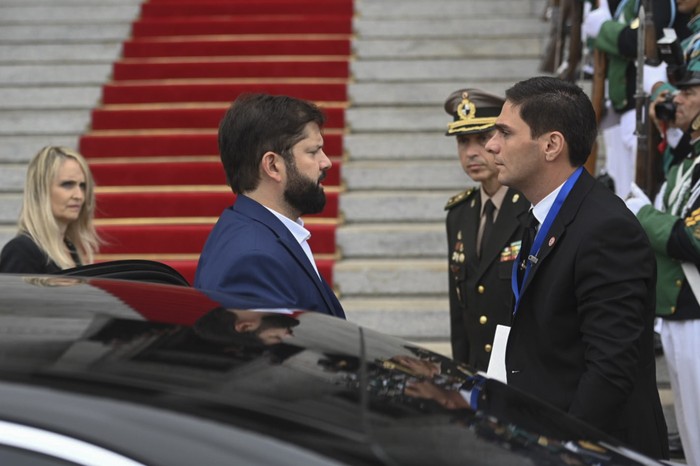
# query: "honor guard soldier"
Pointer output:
{"type": "Point", "coordinates": [483, 232]}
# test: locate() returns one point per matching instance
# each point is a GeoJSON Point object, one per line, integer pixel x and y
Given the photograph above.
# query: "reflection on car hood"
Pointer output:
{"type": "Point", "coordinates": [347, 392]}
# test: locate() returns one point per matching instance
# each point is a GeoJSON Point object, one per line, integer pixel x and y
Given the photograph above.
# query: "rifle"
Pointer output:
{"type": "Point", "coordinates": [598, 101]}
{"type": "Point", "coordinates": [648, 175]}
{"type": "Point", "coordinates": [600, 64]}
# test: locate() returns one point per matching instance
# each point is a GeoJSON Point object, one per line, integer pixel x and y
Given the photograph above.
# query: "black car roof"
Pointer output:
{"type": "Point", "coordinates": [330, 386]}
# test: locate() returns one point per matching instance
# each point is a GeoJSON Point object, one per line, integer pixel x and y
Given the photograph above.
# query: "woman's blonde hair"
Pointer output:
{"type": "Point", "coordinates": [36, 218]}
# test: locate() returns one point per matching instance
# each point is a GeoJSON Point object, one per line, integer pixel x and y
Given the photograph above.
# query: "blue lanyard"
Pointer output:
{"type": "Point", "coordinates": [541, 234]}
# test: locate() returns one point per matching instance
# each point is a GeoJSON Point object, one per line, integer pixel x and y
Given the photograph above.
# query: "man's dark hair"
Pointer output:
{"type": "Point", "coordinates": [552, 104]}
{"type": "Point", "coordinates": [256, 124]}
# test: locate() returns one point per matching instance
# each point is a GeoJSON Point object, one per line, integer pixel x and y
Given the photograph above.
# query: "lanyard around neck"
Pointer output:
{"type": "Point", "coordinates": [539, 238]}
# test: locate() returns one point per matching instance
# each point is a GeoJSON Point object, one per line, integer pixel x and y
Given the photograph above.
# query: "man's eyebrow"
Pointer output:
{"type": "Point", "coordinates": [500, 127]}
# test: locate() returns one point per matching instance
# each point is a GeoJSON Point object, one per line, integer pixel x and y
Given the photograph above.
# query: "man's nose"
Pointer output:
{"type": "Point", "coordinates": [491, 146]}
{"type": "Point", "coordinates": [325, 162]}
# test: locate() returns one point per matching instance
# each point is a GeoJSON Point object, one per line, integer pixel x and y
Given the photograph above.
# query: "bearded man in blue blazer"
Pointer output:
{"type": "Point", "coordinates": [272, 152]}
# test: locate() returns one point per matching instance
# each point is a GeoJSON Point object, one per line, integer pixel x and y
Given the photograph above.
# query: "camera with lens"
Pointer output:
{"type": "Point", "coordinates": [666, 110]}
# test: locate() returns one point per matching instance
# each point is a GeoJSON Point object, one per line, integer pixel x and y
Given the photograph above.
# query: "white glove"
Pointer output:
{"type": "Point", "coordinates": [636, 199]}
{"type": "Point", "coordinates": [594, 21]}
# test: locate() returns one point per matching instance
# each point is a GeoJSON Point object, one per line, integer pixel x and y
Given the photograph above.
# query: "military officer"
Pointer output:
{"type": "Point", "coordinates": [483, 232]}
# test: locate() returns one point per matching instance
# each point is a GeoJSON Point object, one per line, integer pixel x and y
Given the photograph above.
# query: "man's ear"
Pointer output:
{"type": "Point", "coordinates": [271, 166]}
{"type": "Point", "coordinates": [553, 144]}
{"type": "Point", "coordinates": [244, 327]}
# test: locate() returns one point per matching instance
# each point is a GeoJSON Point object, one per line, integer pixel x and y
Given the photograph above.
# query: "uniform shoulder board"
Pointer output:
{"type": "Point", "coordinates": [459, 198]}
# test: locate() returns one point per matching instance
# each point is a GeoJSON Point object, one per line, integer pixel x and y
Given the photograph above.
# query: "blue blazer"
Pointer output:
{"type": "Point", "coordinates": [250, 253]}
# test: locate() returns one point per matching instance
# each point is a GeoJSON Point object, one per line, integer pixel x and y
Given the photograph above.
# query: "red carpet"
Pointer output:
{"type": "Point", "coordinates": [153, 143]}
{"type": "Point", "coordinates": [172, 142]}
{"type": "Point", "coordinates": [162, 116]}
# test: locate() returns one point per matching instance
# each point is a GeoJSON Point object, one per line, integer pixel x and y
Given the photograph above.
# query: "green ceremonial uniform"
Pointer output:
{"type": "Point", "coordinates": [618, 39]}
{"type": "Point", "coordinates": [674, 233]}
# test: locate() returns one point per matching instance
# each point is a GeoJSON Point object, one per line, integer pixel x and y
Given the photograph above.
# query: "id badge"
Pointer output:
{"type": "Point", "coordinates": [497, 363]}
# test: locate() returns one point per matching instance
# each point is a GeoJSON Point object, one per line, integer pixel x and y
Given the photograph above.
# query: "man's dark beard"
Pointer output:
{"type": "Point", "coordinates": [303, 194]}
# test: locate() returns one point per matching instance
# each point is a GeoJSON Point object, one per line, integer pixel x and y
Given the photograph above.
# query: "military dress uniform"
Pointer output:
{"type": "Point", "coordinates": [479, 287]}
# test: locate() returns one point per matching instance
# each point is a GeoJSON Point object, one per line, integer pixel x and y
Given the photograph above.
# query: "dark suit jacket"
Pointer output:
{"type": "Point", "coordinates": [582, 338]}
{"type": "Point", "coordinates": [250, 253]}
{"type": "Point", "coordinates": [480, 292]}
{"type": "Point", "coordinates": [22, 255]}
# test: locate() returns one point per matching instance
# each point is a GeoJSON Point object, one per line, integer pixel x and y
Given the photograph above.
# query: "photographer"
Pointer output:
{"type": "Point", "coordinates": [673, 227]}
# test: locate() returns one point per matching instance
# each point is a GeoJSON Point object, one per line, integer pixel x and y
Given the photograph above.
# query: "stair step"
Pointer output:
{"type": "Point", "coordinates": [202, 68]}
{"type": "Point", "coordinates": [22, 148]}
{"type": "Point", "coordinates": [225, 90]}
{"type": "Point", "coordinates": [48, 14]}
{"type": "Point", "coordinates": [391, 277]}
{"type": "Point", "coordinates": [13, 176]}
{"type": "Point", "coordinates": [501, 28]}
{"type": "Point", "coordinates": [400, 146]}
{"type": "Point", "coordinates": [252, 7]}
{"type": "Point", "coordinates": [390, 119]}
{"type": "Point", "coordinates": [392, 9]}
{"type": "Point", "coordinates": [82, 97]}
{"type": "Point", "coordinates": [280, 24]}
{"type": "Point", "coordinates": [238, 46]}
{"type": "Point", "coordinates": [63, 33]}
{"type": "Point", "coordinates": [174, 171]}
{"type": "Point", "coordinates": [60, 53]}
{"type": "Point", "coordinates": [195, 204]}
{"type": "Point", "coordinates": [136, 143]}
{"type": "Point", "coordinates": [394, 206]}
{"type": "Point", "coordinates": [43, 121]}
{"type": "Point", "coordinates": [410, 318]}
{"type": "Point", "coordinates": [63, 74]}
{"type": "Point", "coordinates": [409, 175]}
{"type": "Point", "coordinates": [444, 69]}
{"type": "Point", "coordinates": [434, 93]}
{"type": "Point", "coordinates": [399, 240]}
{"type": "Point", "coordinates": [412, 48]}
{"type": "Point", "coordinates": [10, 204]}
{"type": "Point", "coordinates": [182, 116]}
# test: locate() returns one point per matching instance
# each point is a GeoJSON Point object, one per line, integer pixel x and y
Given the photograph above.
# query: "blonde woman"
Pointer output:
{"type": "Point", "coordinates": [56, 228]}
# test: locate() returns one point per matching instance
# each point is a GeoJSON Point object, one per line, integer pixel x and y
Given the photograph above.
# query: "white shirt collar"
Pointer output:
{"type": "Point", "coordinates": [543, 207]}
{"type": "Point", "coordinates": [297, 229]}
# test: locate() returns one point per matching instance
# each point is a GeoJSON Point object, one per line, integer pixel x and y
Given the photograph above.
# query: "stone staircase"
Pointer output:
{"type": "Point", "coordinates": [54, 57]}
{"type": "Point", "coordinates": [400, 168]}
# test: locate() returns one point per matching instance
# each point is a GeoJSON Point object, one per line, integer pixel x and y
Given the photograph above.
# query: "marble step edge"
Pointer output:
{"type": "Point", "coordinates": [21, 148]}
{"type": "Point", "coordinates": [373, 206]}
{"type": "Point", "coordinates": [443, 69]}
{"type": "Point", "coordinates": [399, 94]}
{"type": "Point", "coordinates": [425, 240]}
{"type": "Point", "coordinates": [27, 14]}
{"type": "Point", "coordinates": [83, 3]}
{"type": "Point", "coordinates": [391, 276]}
{"type": "Point", "coordinates": [421, 319]}
{"type": "Point", "coordinates": [431, 178]}
{"type": "Point", "coordinates": [60, 53]}
{"type": "Point", "coordinates": [456, 8]}
{"type": "Point", "coordinates": [476, 48]}
{"type": "Point", "coordinates": [74, 96]}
